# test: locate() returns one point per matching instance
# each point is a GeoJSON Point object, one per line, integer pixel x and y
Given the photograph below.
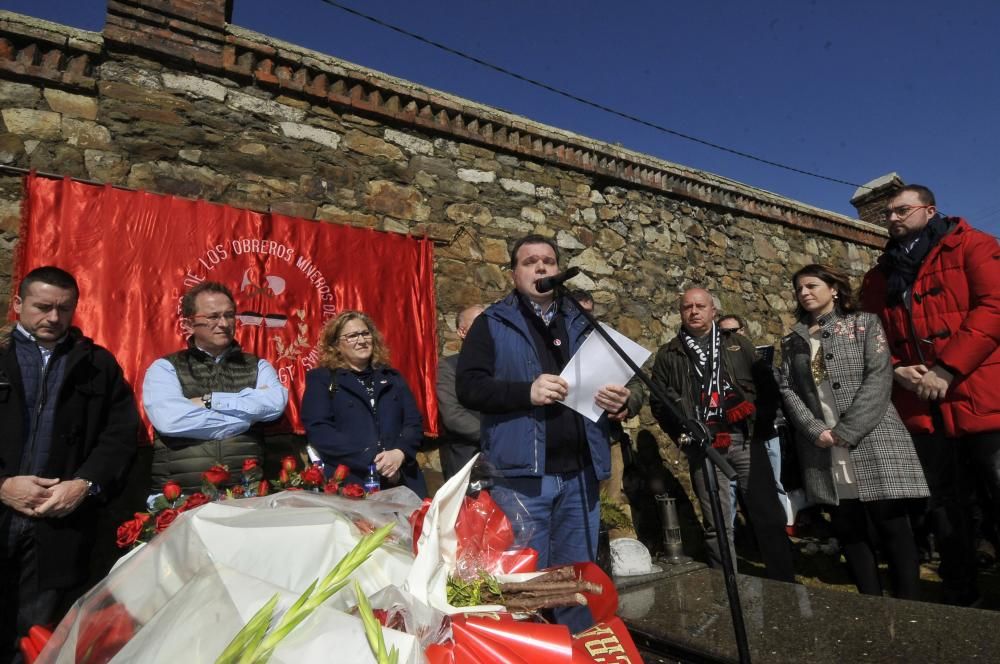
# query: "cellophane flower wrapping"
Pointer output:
{"type": "Point", "coordinates": [185, 595]}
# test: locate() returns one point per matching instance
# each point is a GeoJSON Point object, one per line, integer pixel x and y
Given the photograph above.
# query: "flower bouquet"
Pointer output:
{"type": "Point", "coordinates": [243, 581]}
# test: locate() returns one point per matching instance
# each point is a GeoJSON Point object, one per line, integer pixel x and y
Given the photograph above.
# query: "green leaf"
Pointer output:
{"type": "Point", "coordinates": [248, 638]}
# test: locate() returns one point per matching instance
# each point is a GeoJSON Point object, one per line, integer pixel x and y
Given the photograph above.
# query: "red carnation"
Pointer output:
{"type": "Point", "coordinates": [341, 472]}
{"type": "Point", "coordinates": [353, 491]}
{"type": "Point", "coordinates": [313, 476]}
{"type": "Point", "coordinates": [263, 488]}
{"type": "Point", "coordinates": [129, 532]}
{"type": "Point", "coordinates": [193, 501]}
{"type": "Point", "coordinates": [171, 491]}
{"type": "Point", "coordinates": [250, 464]}
{"type": "Point", "coordinates": [216, 475]}
{"type": "Point", "coordinates": [165, 518]}
{"type": "Point", "coordinates": [289, 463]}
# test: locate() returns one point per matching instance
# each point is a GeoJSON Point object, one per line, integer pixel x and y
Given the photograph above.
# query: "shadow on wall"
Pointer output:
{"type": "Point", "coordinates": [646, 475]}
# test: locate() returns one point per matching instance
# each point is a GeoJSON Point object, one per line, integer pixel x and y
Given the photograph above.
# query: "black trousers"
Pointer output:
{"type": "Point", "coordinates": [22, 601]}
{"type": "Point", "coordinates": [952, 467]}
{"type": "Point", "coordinates": [854, 522]}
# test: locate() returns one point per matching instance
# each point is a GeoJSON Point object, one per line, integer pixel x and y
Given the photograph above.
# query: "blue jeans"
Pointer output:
{"type": "Point", "coordinates": [559, 517]}
{"type": "Point", "coordinates": [773, 447]}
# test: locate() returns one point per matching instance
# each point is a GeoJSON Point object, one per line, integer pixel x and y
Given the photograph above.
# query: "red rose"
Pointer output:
{"type": "Point", "coordinates": [171, 491]}
{"type": "Point", "coordinates": [249, 464]}
{"type": "Point", "coordinates": [129, 532]}
{"type": "Point", "coordinates": [165, 518]}
{"type": "Point", "coordinates": [289, 463]}
{"type": "Point", "coordinates": [283, 476]}
{"type": "Point", "coordinates": [142, 517]}
{"type": "Point", "coordinates": [332, 487]}
{"type": "Point", "coordinates": [216, 475]}
{"type": "Point", "coordinates": [353, 491]}
{"type": "Point", "coordinates": [193, 501]}
{"type": "Point", "coordinates": [341, 472]}
{"type": "Point", "coordinates": [263, 488]}
{"type": "Point", "coordinates": [313, 476]}
{"type": "Point", "coordinates": [237, 491]}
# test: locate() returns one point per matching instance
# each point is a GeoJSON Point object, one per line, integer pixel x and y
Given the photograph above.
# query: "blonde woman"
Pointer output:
{"type": "Point", "coordinates": [358, 410]}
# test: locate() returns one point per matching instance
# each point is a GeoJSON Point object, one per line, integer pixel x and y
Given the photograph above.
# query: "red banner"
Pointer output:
{"type": "Point", "coordinates": [134, 255]}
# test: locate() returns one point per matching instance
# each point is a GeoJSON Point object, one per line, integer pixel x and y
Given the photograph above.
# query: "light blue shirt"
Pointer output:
{"type": "Point", "coordinates": [232, 413]}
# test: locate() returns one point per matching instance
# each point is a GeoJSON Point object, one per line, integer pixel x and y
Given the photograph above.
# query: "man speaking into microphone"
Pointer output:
{"type": "Point", "coordinates": [549, 456]}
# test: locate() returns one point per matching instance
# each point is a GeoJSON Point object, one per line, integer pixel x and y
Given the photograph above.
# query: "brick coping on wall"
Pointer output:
{"type": "Point", "coordinates": [64, 56]}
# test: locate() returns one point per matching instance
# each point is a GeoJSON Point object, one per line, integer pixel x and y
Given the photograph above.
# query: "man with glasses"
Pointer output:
{"type": "Point", "coordinates": [936, 290]}
{"type": "Point", "coordinates": [205, 401]}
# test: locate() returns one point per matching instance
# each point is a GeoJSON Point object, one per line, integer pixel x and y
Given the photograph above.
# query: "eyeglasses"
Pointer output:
{"type": "Point", "coordinates": [357, 337]}
{"type": "Point", "coordinates": [730, 330]}
{"type": "Point", "coordinates": [903, 211]}
{"type": "Point", "coordinates": [215, 319]}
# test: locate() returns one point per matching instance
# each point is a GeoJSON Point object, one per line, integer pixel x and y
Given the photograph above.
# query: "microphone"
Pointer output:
{"type": "Point", "coordinates": [546, 284]}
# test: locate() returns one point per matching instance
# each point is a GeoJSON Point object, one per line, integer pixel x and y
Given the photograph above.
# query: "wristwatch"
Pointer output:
{"type": "Point", "coordinates": [92, 487]}
{"type": "Point", "coordinates": [207, 400]}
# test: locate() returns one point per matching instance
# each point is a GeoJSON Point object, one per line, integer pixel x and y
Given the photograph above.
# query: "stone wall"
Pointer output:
{"type": "Point", "coordinates": [211, 111]}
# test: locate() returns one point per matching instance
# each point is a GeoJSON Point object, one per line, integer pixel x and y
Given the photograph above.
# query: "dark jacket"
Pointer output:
{"type": "Point", "coordinates": [341, 426]}
{"type": "Point", "coordinates": [513, 432]}
{"type": "Point", "coordinates": [460, 427]}
{"type": "Point", "coordinates": [952, 317]}
{"type": "Point", "coordinates": [184, 460]}
{"type": "Point", "coordinates": [94, 437]}
{"type": "Point", "coordinates": [752, 380]}
{"type": "Point", "coordinates": [857, 365]}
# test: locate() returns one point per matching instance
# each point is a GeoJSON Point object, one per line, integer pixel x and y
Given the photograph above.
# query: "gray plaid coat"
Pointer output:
{"type": "Point", "coordinates": [858, 367]}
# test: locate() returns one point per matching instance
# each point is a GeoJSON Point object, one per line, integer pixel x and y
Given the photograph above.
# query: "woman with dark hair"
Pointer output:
{"type": "Point", "coordinates": [854, 452]}
{"type": "Point", "coordinates": [358, 411]}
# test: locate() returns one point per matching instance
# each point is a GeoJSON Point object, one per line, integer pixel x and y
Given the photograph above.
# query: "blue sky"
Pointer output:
{"type": "Point", "coordinates": [852, 89]}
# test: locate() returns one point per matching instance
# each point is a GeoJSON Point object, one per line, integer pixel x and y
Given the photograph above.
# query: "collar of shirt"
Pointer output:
{"type": "Point", "coordinates": [46, 352]}
{"type": "Point", "coordinates": [546, 314]}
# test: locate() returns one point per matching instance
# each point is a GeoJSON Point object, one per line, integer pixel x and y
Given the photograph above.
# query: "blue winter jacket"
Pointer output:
{"type": "Point", "coordinates": [515, 442]}
{"type": "Point", "coordinates": [340, 424]}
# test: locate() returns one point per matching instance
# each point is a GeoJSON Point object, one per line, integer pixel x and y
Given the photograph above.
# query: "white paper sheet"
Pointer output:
{"type": "Point", "coordinates": [595, 365]}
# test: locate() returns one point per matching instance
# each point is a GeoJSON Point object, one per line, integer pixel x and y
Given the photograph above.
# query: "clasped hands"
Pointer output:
{"type": "Point", "coordinates": [549, 388]}
{"type": "Point", "coordinates": [929, 384]}
{"type": "Point", "coordinates": [830, 439]}
{"type": "Point", "coordinates": [388, 463]}
{"type": "Point", "coordinates": [42, 496]}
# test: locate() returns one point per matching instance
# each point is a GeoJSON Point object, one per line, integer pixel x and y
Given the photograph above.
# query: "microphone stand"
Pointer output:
{"type": "Point", "coordinates": [700, 437]}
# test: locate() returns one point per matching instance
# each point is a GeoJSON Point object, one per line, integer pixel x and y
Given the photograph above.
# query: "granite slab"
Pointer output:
{"type": "Point", "coordinates": [686, 616]}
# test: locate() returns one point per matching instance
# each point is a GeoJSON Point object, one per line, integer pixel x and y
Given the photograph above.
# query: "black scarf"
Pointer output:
{"type": "Point", "coordinates": [718, 406]}
{"type": "Point", "coordinates": [901, 266]}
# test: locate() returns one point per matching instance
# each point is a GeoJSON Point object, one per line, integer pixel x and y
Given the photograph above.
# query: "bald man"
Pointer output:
{"type": "Point", "coordinates": [460, 426]}
{"type": "Point", "coordinates": [717, 380]}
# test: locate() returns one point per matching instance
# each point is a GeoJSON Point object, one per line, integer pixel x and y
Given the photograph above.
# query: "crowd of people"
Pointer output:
{"type": "Point", "coordinates": [888, 396]}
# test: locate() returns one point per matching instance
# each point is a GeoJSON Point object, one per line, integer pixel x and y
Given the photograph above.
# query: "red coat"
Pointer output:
{"type": "Point", "coordinates": [955, 314]}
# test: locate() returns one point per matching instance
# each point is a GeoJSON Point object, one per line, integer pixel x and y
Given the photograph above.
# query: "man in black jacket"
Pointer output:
{"type": "Point", "coordinates": [718, 381]}
{"type": "Point", "coordinates": [460, 435]}
{"type": "Point", "coordinates": [69, 426]}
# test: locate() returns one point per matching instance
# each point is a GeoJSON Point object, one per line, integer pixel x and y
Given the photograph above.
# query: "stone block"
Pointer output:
{"type": "Point", "coordinates": [324, 137]}
{"type": "Point", "coordinates": [105, 166]}
{"type": "Point", "coordinates": [465, 213]}
{"type": "Point", "coordinates": [86, 134]}
{"type": "Point", "coordinates": [11, 147]}
{"type": "Point", "coordinates": [517, 186]}
{"type": "Point", "coordinates": [71, 105]}
{"type": "Point", "coordinates": [241, 101]}
{"type": "Point", "coordinates": [195, 86]}
{"type": "Point", "coordinates": [33, 123]}
{"type": "Point", "coordinates": [409, 142]}
{"type": "Point", "coordinates": [18, 94]}
{"type": "Point", "coordinates": [397, 201]}
{"type": "Point", "coordinates": [533, 215]}
{"type": "Point", "coordinates": [591, 261]}
{"type": "Point", "coordinates": [477, 176]}
{"type": "Point", "coordinates": [371, 146]}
